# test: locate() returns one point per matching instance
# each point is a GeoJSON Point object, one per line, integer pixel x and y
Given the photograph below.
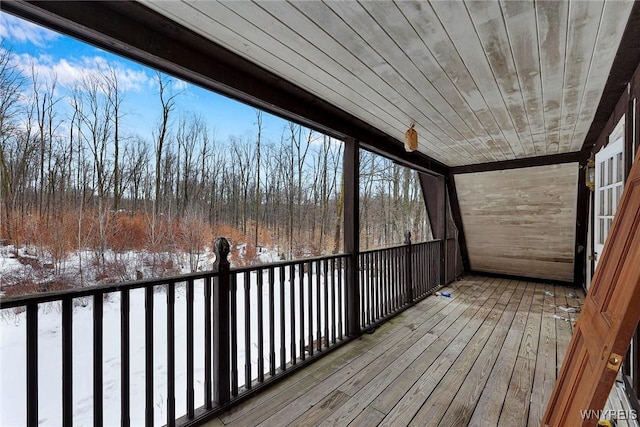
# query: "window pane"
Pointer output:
{"type": "Point", "coordinates": [602, 172]}
{"type": "Point", "coordinates": [601, 209]}
{"type": "Point", "coordinates": [619, 168]}
{"type": "Point", "coordinates": [609, 201]}
{"type": "Point", "coordinates": [618, 194]}
{"type": "Point", "coordinates": [609, 171]}
{"type": "Point", "coordinates": [601, 233]}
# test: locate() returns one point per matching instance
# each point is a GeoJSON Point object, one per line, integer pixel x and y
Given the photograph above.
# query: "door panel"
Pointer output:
{"type": "Point", "coordinates": [608, 320]}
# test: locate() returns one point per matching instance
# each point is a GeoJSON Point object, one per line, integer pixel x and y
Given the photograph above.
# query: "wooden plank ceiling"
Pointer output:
{"type": "Point", "coordinates": [483, 81]}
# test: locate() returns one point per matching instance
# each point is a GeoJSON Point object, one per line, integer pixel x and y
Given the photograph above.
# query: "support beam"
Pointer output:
{"type": "Point", "coordinates": [552, 159]}
{"type": "Point", "coordinates": [351, 178]}
{"type": "Point", "coordinates": [457, 219]}
{"type": "Point", "coordinates": [582, 218]}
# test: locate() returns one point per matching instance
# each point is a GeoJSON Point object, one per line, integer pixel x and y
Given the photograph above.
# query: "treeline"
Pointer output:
{"type": "Point", "coordinates": [72, 179]}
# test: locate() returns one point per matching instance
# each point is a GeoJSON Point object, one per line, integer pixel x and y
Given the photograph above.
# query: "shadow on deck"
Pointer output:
{"type": "Point", "coordinates": [477, 358]}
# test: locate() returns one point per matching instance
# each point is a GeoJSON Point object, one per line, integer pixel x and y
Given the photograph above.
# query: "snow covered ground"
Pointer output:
{"type": "Point", "coordinates": [13, 350]}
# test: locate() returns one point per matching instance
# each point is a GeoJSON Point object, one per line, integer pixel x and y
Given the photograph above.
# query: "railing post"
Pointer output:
{"type": "Point", "coordinates": [32, 365]}
{"type": "Point", "coordinates": [351, 182]}
{"type": "Point", "coordinates": [443, 262]}
{"type": "Point", "coordinates": [409, 266]}
{"type": "Point", "coordinates": [221, 302]}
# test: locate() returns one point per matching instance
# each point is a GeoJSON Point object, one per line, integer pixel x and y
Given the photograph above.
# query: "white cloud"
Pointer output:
{"type": "Point", "coordinates": [18, 30]}
{"type": "Point", "coordinates": [180, 85]}
{"type": "Point", "coordinates": [68, 72]}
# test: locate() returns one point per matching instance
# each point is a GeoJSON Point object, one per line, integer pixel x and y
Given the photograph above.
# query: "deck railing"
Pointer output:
{"type": "Point", "coordinates": [452, 265]}
{"type": "Point", "coordinates": [392, 278]}
{"type": "Point", "coordinates": [228, 332]}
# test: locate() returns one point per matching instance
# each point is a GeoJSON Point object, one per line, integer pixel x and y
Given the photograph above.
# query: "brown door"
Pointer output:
{"type": "Point", "coordinates": [609, 317]}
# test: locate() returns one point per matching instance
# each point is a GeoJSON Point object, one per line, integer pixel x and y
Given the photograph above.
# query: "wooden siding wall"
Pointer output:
{"type": "Point", "coordinates": [521, 222]}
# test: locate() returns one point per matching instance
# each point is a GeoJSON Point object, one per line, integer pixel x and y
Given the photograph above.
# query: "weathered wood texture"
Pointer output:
{"type": "Point", "coordinates": [475, 359]}
{"type": "Point", "coordinates": [522, 221]}
{"type": "Point", "coordinates": [483, 82]}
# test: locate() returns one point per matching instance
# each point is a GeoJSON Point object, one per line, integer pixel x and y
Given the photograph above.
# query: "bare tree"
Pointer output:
{"type": "Point", "coordinates": [14, 155]}
{"type": "Point", "coordinates": [115, 99]}
{"type": "Point", "coordinates": [94, 106]}
{"type": "Point", "coordinates": [257, 180]}
{"type": "Point", "coordinates": [44, 102]}
{"type": "Point", "coordinates": [167, 104]}
{"type": "Point", "coordinates": [136, 160]}
{"type": "Point", "coordinates": [243, 161]}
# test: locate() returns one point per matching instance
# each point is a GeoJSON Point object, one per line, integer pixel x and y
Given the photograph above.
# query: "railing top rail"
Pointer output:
{"type": "Point", "coordinates": [286, 263]}
{"type": "Point", "coordinates": [43, 297]}
{"type": "Point", "coordinates": [399, 246]}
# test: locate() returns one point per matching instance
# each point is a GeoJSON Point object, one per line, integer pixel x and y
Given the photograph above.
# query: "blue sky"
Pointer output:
{"type": "Point", "coordinates": [69, 60]}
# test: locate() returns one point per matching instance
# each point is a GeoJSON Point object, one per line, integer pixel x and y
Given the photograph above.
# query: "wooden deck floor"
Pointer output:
{"type": "Point", "coordinates": [487, 356]}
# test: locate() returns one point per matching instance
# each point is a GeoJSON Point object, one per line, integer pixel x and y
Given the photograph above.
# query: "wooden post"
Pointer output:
{"type": "Point", "coordinates": [629, 124]}
{"type": "Point", "coordinates": [457, 218]}
{"type": "Point", "coordinates": [409, 266]}
{"type": "Point", "coordinates": [221, 350]}
{"type": "Point", "coordinates": [350, 175]}
{"type": "Point", "coordinates": [582, 216]}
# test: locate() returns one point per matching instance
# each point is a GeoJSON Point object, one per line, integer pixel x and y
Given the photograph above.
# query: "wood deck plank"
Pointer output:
{"type": "Point", "coordinates": [271, 405]}
{"type": "Point", "coordinates": [466, 398]}
{"type": "Point", "coordinates": [529, 345]}
{"type": "Point", "coordinates": [372, 349]}
{"type": "Point", "coordinates": [368, 417]}
{"type": "Point", "coordinates": [429, 329]}
{"type": "Point", "coordinates": [430, 413]}
{"type": "Point", "coordinates": [353, 356]}
{"type": "Point", "coordinates": [564, 328]}
{"type": "Point", "coordinates": [487, 356]}
{"type": "Point", "coordinates": [319, 411]}
{"type": "Point", "coordinates": [515, 411]}
{"type": "Point", "coordinates": [411, 402]}
{"type": "Point", "coordinates": [489, 407]}
{"type": "Point", "coordinates": [447, 331]}
{"type": "Point", "coordinates": [377, 384]}
{"type": "Point", "coordinates": [545, 370]}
